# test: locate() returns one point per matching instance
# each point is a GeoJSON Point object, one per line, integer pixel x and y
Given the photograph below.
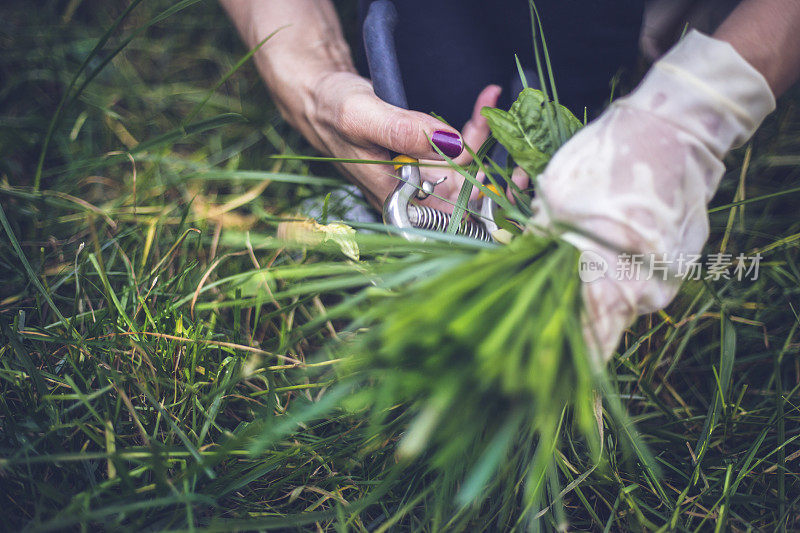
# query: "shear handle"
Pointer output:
{"type": "Point", "coordinates": [379, 43]}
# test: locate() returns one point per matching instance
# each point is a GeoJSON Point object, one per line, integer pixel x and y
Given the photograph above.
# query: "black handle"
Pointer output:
{"type": "Point", "coordinates": [384, 68]}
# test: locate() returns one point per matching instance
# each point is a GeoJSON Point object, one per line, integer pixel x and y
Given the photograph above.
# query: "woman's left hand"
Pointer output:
{"type": "Point", "coordinates": [640, 177]}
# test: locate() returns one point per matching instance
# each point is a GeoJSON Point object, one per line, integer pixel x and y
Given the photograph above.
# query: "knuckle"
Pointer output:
{"type": "Point", "coordinates": [346, 120]}
{"type": "Point", "coordinates": [403, 131]}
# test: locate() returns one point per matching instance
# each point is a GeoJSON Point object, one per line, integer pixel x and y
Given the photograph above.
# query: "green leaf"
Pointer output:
{"type": "Point", "coordinates": [526, 129]}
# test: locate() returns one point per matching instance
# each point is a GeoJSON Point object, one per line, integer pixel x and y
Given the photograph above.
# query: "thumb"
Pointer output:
{"type": "Point", "coordinates": [370, 120]}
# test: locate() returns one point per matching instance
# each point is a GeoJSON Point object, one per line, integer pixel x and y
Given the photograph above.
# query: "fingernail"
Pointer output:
{"type": "Point", "coordinates": [449, 143]}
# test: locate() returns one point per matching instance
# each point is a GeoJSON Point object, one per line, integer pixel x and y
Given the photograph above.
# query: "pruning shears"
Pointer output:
{"type": "Point", "coordinates": [401, 208]}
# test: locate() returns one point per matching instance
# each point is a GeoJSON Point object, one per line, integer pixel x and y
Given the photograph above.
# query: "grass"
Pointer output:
{"type": "Point", "coordinates": [166, 363]}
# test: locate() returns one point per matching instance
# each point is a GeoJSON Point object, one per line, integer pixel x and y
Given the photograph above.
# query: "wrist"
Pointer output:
{"type": "Point", "coordinates": [305, 46]}
{"type": "Point", "coordinates": [293, 74]}
{"type": "Point", "coordinates": [765, 33]}
{"type": "Point", "coordinates": [304, 97]}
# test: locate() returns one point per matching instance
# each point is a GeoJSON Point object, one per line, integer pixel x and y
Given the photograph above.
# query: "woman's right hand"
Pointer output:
{"type": "Point", "coordinates": [342, 117]}
{"type": "Point", "coordinates": [310, 74]}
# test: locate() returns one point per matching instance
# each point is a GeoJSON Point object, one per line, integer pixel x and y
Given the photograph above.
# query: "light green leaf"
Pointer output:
{"type": "Point", "coordinates": [529, 130]}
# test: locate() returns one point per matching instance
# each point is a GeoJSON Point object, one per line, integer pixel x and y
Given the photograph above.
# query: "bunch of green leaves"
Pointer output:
{"type": "Point", "coordinates": [487, 356]}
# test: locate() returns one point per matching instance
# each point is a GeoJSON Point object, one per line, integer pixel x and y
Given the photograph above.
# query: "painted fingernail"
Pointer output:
{"type": "Point", "coordinates": [449, 143]}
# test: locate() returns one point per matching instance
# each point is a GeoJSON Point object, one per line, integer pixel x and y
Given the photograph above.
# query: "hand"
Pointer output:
{"type": "Point", "coordinates": [310, 74]}
{"type": "Point", "coordinates": [641, 175]}
{"type": "Point", "coordinates": [342, 117]}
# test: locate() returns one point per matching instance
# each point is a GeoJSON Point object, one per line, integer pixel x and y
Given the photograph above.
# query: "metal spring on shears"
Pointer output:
{"type": "Point", "coordinates": [424, 217]}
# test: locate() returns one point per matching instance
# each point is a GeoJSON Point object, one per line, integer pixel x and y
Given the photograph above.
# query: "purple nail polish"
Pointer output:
{"type": "Point", "coordinates": [449, 143]}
